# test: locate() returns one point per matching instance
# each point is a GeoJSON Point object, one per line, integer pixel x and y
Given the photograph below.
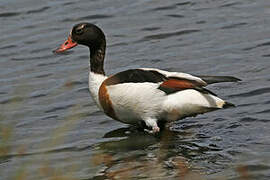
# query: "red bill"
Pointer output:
{"type": "Point", "coordinates": [68, 44]}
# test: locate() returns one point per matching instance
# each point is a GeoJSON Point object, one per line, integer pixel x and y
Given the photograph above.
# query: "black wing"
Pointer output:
{"type": "Point", "coordinates": [136, 76]}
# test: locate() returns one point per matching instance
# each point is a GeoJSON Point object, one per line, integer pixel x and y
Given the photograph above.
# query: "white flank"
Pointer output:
{"type": "Point", "coordinates": [142, 101]}
{"type": "Point", "coordinates": [136, 101]}
{"type": "Point", "coordinates": [189, 102]}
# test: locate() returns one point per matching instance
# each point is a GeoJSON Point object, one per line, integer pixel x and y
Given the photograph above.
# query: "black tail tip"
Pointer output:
{"type": "Point", "coordinates": [228, 105]}
{"type": "Point", "coordinates": [237, 79]}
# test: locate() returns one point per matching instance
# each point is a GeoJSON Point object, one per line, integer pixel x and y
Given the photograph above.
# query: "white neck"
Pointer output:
{"type": "Point", "coordinates": [95, 81]}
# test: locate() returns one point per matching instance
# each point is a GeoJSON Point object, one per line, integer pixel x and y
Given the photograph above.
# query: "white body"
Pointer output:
{"type": "Point", "coordinates": [133, 102]}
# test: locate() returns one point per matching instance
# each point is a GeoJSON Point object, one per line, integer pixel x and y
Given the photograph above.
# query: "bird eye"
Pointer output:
{"type": "Point", "coordinates": [79, 30]}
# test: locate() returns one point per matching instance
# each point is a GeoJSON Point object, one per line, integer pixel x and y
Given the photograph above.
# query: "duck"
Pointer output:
{"type": "Point", "coordinates": [143, 95]}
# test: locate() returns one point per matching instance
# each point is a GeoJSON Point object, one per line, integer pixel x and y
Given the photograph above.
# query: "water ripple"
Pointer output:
{"type": "Point", "coordinates": [9, 14]}
{"type": "Point", "coordinates": [252, 93]}
{"type": "Point", "coordinates": [248, 119]}
{"type": "Point", "coordinates": [38, 96]}
{"type": "Point", "coordinates": [38, 10]}
{"type": "Point", "coordinates": [176, 15]}
{"type": "Point", "coordinates": [230, 4]}
{"type": "Point", "coordinates": [43, 75]}
{"type": "Point", "coordinates": [8, 47]}
{"type": "Point", "coordinates": [54, 109]}
{"type": "Point", "coordinates": [48, 151]}
{"type": "Point", "coordinates": [30, 58]}
{"type": "Point", "coordinates": [184, 3]}
{"type": "Point", "coordinates": [50, 117]}
{"type": "Point", "coordinates": [12, 100]}
{"type": "Point", "coordinates": [234, 25]}
{"type": "Point", "coordinates": [264, 111]}
{"type": "Point", "coordinates": [88, 18]}
{"type": "Point", "coordinates": [169, 34]}
{"type": "Point", "coordinates": [185, 127]}
{"type": "Point", "coordinates": [150, 28]}
{"type": "Point", "coordinates": [233, 126]}
{"type": "Point", "coordinates": [96, 16]}
{"type": "Point", "coordinates": [257, 46]}
{"type": "Point", "coordinates": [162, 8]}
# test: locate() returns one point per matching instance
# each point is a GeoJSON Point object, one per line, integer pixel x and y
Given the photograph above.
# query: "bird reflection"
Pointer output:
{"type": "Point", "coordinates": [132, 153]}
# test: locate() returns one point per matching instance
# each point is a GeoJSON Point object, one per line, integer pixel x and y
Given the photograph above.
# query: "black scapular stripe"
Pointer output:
{"type": "Point", "coordinates": [136, 76]}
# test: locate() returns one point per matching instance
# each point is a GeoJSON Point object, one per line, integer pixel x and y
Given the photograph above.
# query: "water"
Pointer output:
{"type": "Point", "coordinates": [51, 128]}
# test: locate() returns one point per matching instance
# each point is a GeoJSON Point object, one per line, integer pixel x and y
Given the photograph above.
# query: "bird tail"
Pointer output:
{"type": "Point", "coordinates": [228, 105]}
{"type": "Point", "coordinates": [218, 79]}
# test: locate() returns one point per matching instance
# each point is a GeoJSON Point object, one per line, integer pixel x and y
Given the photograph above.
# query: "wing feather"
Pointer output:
{"type": "Point", "coordinates": [169, 82]}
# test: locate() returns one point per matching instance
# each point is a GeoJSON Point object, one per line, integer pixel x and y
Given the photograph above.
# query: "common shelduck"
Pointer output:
{"type": "Point", "coordinates": [146, 94]}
